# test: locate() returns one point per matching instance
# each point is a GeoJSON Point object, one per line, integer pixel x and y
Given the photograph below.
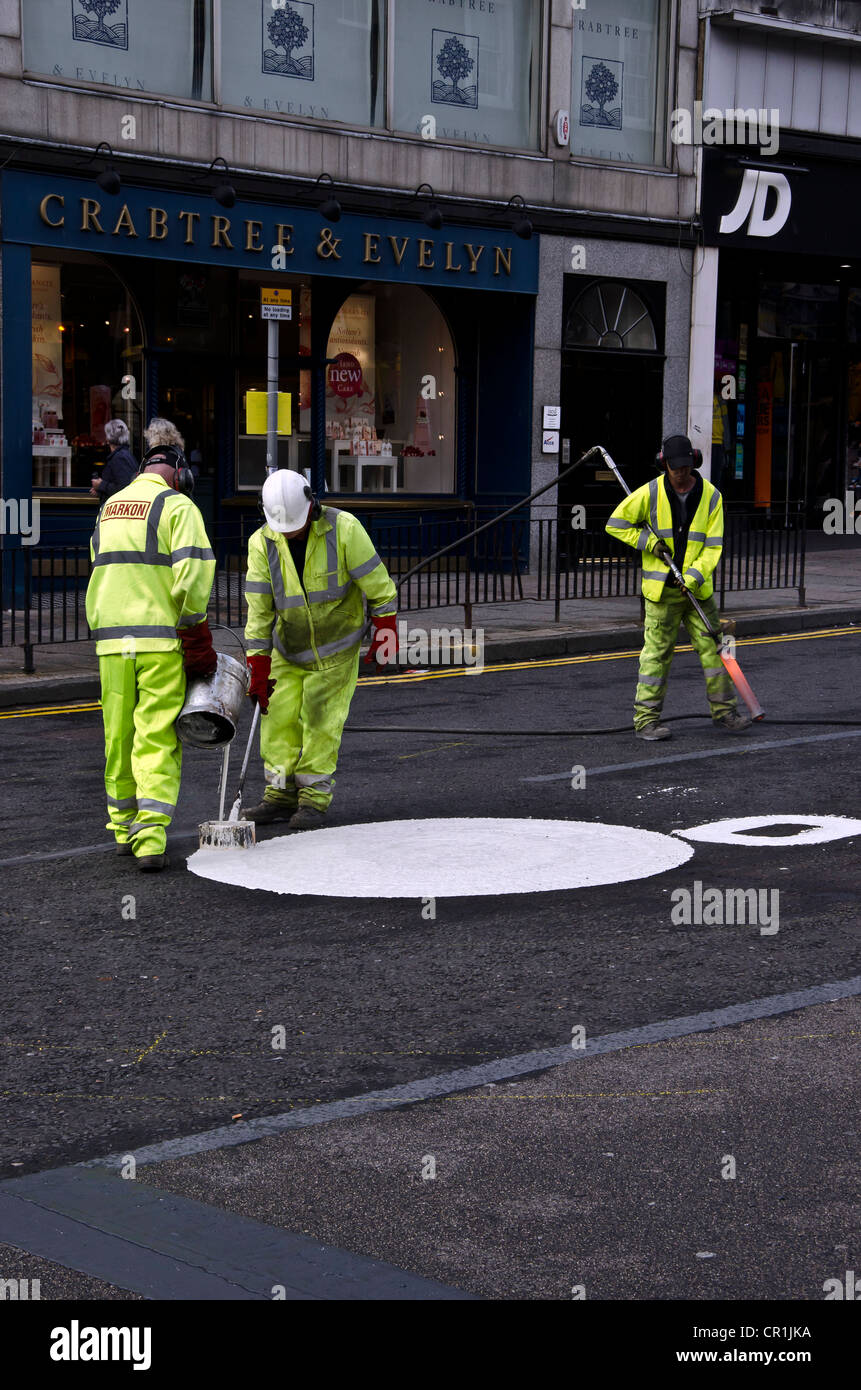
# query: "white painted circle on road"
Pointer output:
{"type": "Point", "coordinates": [460, 857]}
{"type": "Point", "coordinates": [820, 830]}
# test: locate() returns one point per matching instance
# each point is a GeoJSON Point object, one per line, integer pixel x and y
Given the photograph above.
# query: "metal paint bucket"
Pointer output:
{"type": "Point", "coordinates": [210, 715]}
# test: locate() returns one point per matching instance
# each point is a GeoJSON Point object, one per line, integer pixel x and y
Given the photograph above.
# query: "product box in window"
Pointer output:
{"type": "Point", "coordinates": [362, 448]}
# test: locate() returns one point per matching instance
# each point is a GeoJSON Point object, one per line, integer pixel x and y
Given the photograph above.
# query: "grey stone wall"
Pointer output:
{"type": "Point", "coordinates": [616, 260]}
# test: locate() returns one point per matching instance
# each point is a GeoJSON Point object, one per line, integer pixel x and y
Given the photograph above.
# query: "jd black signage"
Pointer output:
{"type": "Point", "coordinates": [802, 205]}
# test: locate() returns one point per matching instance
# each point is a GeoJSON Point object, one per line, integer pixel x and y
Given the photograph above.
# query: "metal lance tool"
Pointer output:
{"type": "Point", "coordinates": [730, 664]}
{"type": "Point", "coordinates": [232, 833]}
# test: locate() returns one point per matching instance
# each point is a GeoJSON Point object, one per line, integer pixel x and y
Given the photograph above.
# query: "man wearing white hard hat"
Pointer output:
{"type": "Point", "coordinates": [308, 568]}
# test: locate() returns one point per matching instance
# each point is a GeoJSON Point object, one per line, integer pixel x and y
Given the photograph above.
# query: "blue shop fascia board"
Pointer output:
{"type": "Point", "coordinates": [156, 224]}
{"type": "Point", "coordinates": [53, 210]}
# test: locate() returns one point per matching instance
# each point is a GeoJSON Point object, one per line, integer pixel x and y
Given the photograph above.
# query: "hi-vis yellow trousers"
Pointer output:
{"type": "Point", "coordinates": [300, 734]}
{"type": "Point", "coordinates": [141, 697]}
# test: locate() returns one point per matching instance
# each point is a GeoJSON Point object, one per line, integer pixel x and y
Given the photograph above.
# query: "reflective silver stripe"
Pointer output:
{"type": "Point", "coordinates": [297, 658]}
{"type": "Point", "coordinates": [653, 503]}
{"type": "Point", "coordinates": [165, 808]}
{"type": "Point", "coordinates": [310, 779]}
{"type": "Point", "coordinates": [691, 570]}
{"type": "Point", "coordinates": [650, 680]}
{"type": "Point", "coordinates": [713, 540]}
{"type": "Point", "coordinates": [329, 595]}
{"type": "Point", "coordinates": [361, 570]}
{"type": "Point", "coordinates": [258, 586]}
{"type": "Point", "coordinates": [643, 539]}
{"type": "Point", "coordinates": [386, 609]}
{"type": "Point", "coordinates": [128, 803]}
{"type": "Point", "coordinates": [333, 589]}
{"type": "Point", "coordinates": [152, 524]}
{"type": "Point", "coordinates": [332, 565]}
{"type": "Point", "coordinates": [258, 644]}
{"type": "Point", "coordinates": [343, 643]}
{"type": "Point", "coordinates": [191, 552]}
{"type": "Point", "coordinates": [713, 501]}
{"type": "Point", "coordinates": [655, 574]}
{"type": "Point", "coordinates": [106, 634]}
{"type": "Point", "coordinates": [696, 535]}
{"type": "Point", "coordinates": [613, 523]}
{"type": "Point", "coordinates": [276, 578]}
{"type": "Point", "coordinates": [130, 557]}
{"type": "Point", "coordinates": [326, 649]}
{"type": "Point", "coordinates": [650, 704]}
{"type": "Point", "coordinates": [191, 620]}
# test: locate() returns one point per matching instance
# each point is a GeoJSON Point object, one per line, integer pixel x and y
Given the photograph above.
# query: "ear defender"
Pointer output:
{"type": "Point", "coordinates": [316, 507]}
{"type": "Point", "coordinates": [698, 458]}
{"type": "Point", "coordinates": [183, 478]}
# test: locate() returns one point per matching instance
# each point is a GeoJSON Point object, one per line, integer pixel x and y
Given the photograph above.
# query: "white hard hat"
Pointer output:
{"type": "Point", "coordinates": [286, 500]}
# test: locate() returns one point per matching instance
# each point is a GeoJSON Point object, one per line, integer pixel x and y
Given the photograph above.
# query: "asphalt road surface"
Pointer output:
{"type": "Point", "coordinates": [140, 1007]}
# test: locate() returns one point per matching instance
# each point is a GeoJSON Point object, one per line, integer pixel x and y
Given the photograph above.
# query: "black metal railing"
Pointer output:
{"type": "Point", "coordinates": [520, 559]}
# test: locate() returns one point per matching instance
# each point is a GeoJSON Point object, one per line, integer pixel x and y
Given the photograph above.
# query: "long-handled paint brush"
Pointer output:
{"type": "Point", "coordinates": [729, 662]}
{"type": "Point", "coordinates": [232, 833]}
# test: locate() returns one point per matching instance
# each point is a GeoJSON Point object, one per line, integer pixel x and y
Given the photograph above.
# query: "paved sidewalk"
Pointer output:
{"type": "Point", "coordinates": [520, 631]}
{"type": "Point", "coordinates": [716, 1164]}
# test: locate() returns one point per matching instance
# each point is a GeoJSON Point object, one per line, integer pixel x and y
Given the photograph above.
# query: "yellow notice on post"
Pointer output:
{"type": "Point", "coordinates": [255, 412]}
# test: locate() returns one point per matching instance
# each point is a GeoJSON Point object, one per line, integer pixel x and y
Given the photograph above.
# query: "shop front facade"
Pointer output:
{"type": "Point", "coordinates": [787, 334]}
{"type": "Point", "coordinates": [404, 360]}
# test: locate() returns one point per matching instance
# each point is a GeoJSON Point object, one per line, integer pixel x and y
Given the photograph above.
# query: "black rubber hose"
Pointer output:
{"type": "Point", "coordinates": [574, 733]}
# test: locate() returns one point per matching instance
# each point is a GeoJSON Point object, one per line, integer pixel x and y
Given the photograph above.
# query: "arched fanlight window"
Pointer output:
{"type": "Point", "coordinates": [610, 314]}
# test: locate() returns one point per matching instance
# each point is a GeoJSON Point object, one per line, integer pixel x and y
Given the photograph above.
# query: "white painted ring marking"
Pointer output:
{"type": "Point", "coordinates": [821, 830]}
{"type": "Point", "coordinates": [445, 858]}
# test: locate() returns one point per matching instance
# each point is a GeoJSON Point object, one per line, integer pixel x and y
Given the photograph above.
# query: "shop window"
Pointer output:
{"type": "Point", "coordinates": [161, 46]}
{"type": "Point", "coordinates": [610, 314]}
{"type": "Point", "coordinates": [294, 383]}
{"type": "Point", "coordinates": [468, 73]}
{"type": "Point", "coordinates": [317, 58]}
{"type": "Point", "coordinates": [796, 311]}
{"type": "Point", "coordinates": [390, 394]}
{"type": "Point", "coordinates": [618, 81]}
{"type": "Point", "coordinates": [87, 368]}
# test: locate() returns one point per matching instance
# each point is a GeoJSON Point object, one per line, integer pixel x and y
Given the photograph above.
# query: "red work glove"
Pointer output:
{"type": "Point", "coordinates": [199, 657]}
{"type": "Point", "coordinates": [381, 625]}
{"type": "Point", "coordinates": [261, 687]}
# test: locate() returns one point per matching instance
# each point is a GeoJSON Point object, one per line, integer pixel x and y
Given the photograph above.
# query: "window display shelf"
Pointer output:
{"type": "Point", "coordinates": [52, 459]}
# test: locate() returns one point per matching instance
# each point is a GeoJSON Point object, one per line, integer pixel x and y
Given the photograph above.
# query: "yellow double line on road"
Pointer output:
{"type": "Point", "coordinates": [541, 664]}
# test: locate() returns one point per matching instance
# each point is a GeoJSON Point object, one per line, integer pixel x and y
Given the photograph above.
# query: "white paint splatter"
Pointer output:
{"type": "Point", "coordinates": [821, 830]}
{"type": "Point", "coordinates": [447, 858]}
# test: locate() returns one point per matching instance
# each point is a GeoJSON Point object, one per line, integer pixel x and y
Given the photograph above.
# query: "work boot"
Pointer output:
{"type": "Point", "coordinates": [733, 723]}
{"type": "Point", "coordinates": [307, 818]}
{"type": "Point", "coordinates": [153, 863]}
{"type": "Point", "coordinates": [652, 733]}
{"type": "Point", "coordinates": [123, 847]}
{"type": "Point", "coordinates": [276, 805]}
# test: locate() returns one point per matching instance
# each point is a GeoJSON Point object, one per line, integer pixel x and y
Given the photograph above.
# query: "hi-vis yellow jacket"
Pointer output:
{"type": "Point", "coordinates": [153, 568]}
{"type": "Point", "coordinates": [314, 627]}
{"type": "Point", "coordinates": [651, 503]}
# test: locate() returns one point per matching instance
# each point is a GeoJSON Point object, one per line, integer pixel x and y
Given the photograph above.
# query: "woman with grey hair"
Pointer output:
{"type": "Point", "coordinates": [120, 468]}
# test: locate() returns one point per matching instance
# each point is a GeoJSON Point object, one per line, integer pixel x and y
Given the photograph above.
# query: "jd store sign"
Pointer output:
{"type": "Point", "coordinates": [803, 205]}
{"type": "Point", "coordinates": [53, 210]}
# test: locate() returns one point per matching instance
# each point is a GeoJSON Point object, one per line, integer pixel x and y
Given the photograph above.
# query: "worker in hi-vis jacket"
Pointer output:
{"type": "Point", "coordinates": [146, 607]}
{"type": "Point", "coordinates": [686, 512]}
{"type": "Point", "coordinates": [308, 568]}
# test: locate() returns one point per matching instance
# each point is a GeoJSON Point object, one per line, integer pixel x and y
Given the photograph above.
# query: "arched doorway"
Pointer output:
{"type": "Point", "coordinates": [612, 384]}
